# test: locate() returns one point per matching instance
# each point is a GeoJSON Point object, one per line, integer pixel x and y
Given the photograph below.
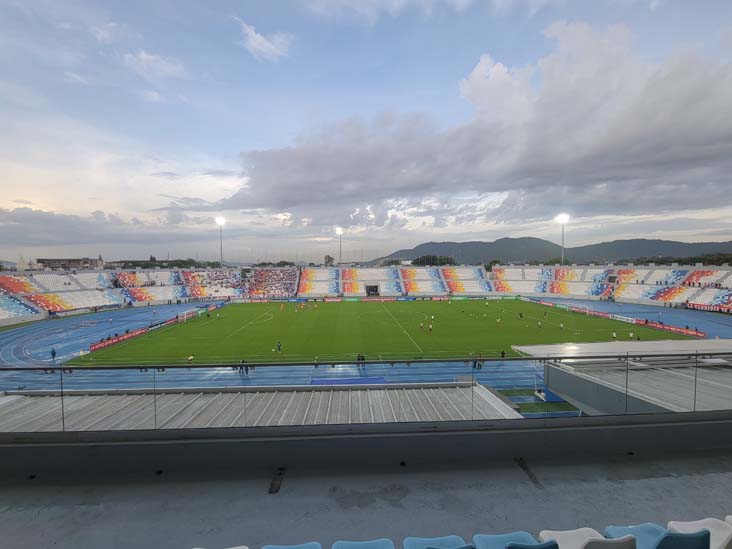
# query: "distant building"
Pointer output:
{"type": "Point", "coordinates": [70, 264]}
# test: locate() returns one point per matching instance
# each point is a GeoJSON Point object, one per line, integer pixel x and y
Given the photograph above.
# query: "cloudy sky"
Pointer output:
{"type": "Point", "coordinates": [128, 126]}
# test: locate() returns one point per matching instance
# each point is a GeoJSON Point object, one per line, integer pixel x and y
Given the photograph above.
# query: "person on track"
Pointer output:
{"type": "Point", "coordinates": [53, 354]}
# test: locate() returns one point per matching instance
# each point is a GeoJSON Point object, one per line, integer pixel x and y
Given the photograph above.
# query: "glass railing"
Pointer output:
{"type": "Point", "coordinates": [200, 396]}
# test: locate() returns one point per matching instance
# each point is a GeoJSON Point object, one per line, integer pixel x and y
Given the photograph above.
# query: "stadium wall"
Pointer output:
{"type": "Point", "coordinates": [263, 449]}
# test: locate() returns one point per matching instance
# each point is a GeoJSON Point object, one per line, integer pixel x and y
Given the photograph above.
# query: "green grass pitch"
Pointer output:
{"type": "Point", "coordinates": [339, 331]}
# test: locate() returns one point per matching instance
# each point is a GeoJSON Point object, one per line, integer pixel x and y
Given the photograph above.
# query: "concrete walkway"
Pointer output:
{"type": "Point", "coordinates": [213, 511]}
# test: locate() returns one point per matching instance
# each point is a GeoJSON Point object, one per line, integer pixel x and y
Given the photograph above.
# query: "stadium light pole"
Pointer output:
{"type": "Point", "coordinates": [221, 221]}
{"type": "Point", "coordinates": [339, 232]}
{"type": "Point", "coordinates": [562, 219]}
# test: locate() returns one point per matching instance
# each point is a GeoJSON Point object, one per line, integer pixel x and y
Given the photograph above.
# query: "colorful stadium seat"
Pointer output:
{"type": "Point", "coordinates": [11, 307]}
{"type": "Point", "coordinates": [18, 284]}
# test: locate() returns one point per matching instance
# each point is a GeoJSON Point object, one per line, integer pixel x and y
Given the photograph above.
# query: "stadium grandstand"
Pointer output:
{"type": "Point", "coordinates": [57, 292]}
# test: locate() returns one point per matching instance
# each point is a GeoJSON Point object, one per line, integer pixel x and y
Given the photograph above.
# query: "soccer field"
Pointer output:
{"type": "Point", "coordinates": [340, 331]}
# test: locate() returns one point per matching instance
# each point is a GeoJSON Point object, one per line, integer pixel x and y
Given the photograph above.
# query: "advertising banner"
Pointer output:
{"type": "Point", "coordinates": [668, 328]}
{"type": "Point", "coordinates": [113, 340]}
{"type": "Point", "coordinates": [710, 308]}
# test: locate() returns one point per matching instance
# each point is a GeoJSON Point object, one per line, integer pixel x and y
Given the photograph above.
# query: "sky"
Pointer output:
{"type": "Point", "coordinates": [127, 127]}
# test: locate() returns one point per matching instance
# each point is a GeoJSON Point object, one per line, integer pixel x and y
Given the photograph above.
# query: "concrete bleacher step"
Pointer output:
{"type": "Point", "coordinates": [76, 281]}
{"type": "Point", "coordinates": [696, 294]}
{"type": "Point", "coordinates": [649, 275]}
{"type": "Point", "coordinates": [725, 278]}
{"type": "Point", "coordinates": [42, 287]}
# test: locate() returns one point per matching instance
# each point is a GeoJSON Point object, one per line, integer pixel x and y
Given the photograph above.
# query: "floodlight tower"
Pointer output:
{"type": "Point", "coordinates": [562, 219]}
{"type": "Point", "coordinates": [221, 221]}
{"type": "Point", "coordinates": [339, 232]}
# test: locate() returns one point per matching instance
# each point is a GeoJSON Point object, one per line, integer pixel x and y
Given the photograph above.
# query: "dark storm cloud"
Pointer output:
{"type": "Point", "coordinates": [603, 133]}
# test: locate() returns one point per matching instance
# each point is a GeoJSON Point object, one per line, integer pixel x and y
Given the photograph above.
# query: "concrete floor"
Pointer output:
{"type": "Point", "coordinates": [214, 512]}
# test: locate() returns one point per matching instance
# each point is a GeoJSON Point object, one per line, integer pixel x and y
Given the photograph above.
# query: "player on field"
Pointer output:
{"type": "Point", "coordinates": [430, 327]}
{"type": "Point", "coordinates": [279, 346]}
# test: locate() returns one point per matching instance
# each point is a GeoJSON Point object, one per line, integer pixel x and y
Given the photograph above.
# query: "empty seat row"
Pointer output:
{"type": "Point", "coordinates": [708, 533]}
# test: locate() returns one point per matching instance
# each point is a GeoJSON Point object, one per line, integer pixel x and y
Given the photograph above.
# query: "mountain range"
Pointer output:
{"type": "Point", "coordinates": [529, 249]}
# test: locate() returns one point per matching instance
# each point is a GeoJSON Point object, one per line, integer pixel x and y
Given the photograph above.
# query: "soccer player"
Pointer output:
{"type": "Point", "coordinates": [430, 327]}
{"type": "Point", "coordinates": [615, 336]}
{"type": "Point", "coordinates": [632, 335]}
{"type": "Point", "coordinates": [498, 321]}
{"type": "Point", "coordinates": [538, 324]}
{"type": "Point", "coordinates": [433, 318]}
{"type": "Point", "coordinates": [279, 346]}
{"type": "Point", "coordinates": [561, 325]}
{"type": "Point", "coordinates": [421, 325]}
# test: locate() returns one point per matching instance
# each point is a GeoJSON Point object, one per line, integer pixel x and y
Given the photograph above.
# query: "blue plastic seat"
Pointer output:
{"type": "Point", "coordinates": [653, 536]}
{"type": "Point", "coordinates": [309, 545]}
{"type": "Point", "coordinates": [500, 541]}
{"type": "Point", "coordinates": [445, 542]}
{"type": "Point", "coordinates": [381, 543]}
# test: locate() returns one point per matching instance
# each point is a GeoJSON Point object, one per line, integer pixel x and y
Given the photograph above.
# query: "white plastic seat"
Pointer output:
{"type": "Point", "coordinates": [720, 531]}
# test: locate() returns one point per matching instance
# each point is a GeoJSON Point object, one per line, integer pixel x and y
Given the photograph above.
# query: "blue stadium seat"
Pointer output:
{"type": "Point", "coordinates": [381, 543]}
{"type": "Point", "coordinates": [309, 545]}
{"type": "Point", "coordinates": [445, 542]}
{"type": "Point", "coordinates": [653, 536]}
{"type": "Point", "coordinates": [502, 541]}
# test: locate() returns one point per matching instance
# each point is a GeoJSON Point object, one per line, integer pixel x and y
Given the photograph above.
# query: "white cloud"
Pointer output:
{"type": "Point", "coordinates": [153, 97]}
{"type": "Point", "coordinates": [75, 78]}
{"type": "Point", "coordinates": [271, 47]}
{"type": "Point", "coordinates": [105, 33]}
{"type": "Point", "coordinates": [372, 10]}
{"type": "Point", "coordinates": [498, 92]}
{"type": "Point", "coordinates": [154, 67]}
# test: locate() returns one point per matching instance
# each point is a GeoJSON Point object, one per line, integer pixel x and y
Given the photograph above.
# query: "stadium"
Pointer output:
{"type": "Point", "coordinates": [366, 274]}
{"type": "Point", "coordinates": [150, 354]}
{"type": "Point", "coordinates": [359, 327]}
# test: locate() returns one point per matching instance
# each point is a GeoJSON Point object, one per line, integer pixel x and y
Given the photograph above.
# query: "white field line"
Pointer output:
{"type": "Point", "coordinates": [402, 328]}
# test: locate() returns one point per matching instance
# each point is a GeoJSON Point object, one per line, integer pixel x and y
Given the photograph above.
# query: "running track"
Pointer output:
{"type": "Point", "coordinates": [31, 345]}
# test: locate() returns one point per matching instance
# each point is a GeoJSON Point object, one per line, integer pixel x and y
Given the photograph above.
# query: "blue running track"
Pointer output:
{"type": "Point", "coordinates": [30, 346]}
